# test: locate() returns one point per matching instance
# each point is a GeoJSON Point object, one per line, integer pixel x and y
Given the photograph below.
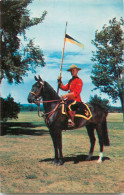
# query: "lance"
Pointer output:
{"type": "Point", "coordinates": [62, 57]}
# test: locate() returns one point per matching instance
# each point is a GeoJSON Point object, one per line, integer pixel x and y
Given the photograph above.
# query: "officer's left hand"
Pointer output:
{"type": "Point", "coordinates": [64, 96]}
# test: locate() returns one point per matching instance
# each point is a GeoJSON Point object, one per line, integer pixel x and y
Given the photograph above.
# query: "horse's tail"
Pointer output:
{"type": "Point", "coordinates": [106, 140]}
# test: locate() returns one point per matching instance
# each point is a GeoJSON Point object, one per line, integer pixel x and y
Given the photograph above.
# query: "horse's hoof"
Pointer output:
{"type": "Point", "coordinates": [55, 161]}
{"type": "Point", "coordinates": [99, 161]}
{"type": "Point", "coordinates": [60, 162]}
{"type": "Point", "coordinates": [87, 159]}
{"type": "Point", "coordinates": [100, 158]}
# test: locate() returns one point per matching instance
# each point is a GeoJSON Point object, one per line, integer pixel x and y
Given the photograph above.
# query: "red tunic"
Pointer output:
{"type": "Point", "coordinates": [75, 86]}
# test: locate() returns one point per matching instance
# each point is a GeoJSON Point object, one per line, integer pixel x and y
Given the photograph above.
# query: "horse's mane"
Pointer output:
{"type": "Point", "coordinates": [50, 91]}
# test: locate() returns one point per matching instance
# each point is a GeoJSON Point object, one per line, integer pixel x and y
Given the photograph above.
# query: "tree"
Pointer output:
{"type": "Point", "coordinates": [108, 58]}
{"type": "Point", "coordinates": [17, 59]}
{"type": "Point", "coordinates": [9, 108]}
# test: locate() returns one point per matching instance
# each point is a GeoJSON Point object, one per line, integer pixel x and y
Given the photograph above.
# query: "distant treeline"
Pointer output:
{"type": "Point", "coordinates": [33, 107]}
{"type": "Point", "coordinates": [30, 107]}
{"type": "Point", "coordinates": [115, 109]}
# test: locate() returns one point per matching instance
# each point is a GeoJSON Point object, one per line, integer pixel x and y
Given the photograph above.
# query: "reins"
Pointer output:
{"type": "Point", "coordinates": [50, 101]}
{"type": "Point", "coordinates": [48, 113]}
{"type": "Point", "coordinates": [38, 102]}
{"type": "Point", "coordinates": [42, 114]}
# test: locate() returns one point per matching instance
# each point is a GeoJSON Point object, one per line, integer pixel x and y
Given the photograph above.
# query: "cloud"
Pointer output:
{"type": "Point", "coordinates": [78, 59]}
{"type": "Point", "coordinates": [84, 18]}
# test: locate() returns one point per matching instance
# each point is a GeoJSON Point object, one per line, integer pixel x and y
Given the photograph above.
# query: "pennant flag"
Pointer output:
{"type": "Point", "coordinates": [71, 40]}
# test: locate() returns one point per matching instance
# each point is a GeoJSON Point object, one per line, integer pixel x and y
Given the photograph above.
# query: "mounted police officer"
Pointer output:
{"type": "Point", "coordinates": [73, 97]}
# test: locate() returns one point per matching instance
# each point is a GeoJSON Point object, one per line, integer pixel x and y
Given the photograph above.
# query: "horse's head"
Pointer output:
{"type": "Point", "coordinates": [36, 91]}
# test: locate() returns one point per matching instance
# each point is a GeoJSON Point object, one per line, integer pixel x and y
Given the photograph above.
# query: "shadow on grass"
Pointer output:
{"type": "Point", "coordinates": [22, 128]}
{"type": "Point", "coordinates": [75, 159]}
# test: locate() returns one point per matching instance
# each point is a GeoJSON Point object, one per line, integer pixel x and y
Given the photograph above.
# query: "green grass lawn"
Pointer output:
{"type": "Point", "coordinates": [27, 153]}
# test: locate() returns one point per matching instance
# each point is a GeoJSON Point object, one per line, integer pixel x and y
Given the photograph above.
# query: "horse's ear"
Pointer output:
{"type": "Point", "coordinates": [40, 79]}
{"type": "Point", "coordinates": [36, 78]}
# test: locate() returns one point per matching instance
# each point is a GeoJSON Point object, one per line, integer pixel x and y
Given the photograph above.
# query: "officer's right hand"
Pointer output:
{"type": "Point", "coordinates": [59, 80]}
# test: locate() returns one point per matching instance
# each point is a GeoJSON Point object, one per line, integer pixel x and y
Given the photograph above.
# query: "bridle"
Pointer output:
{"type": "Point", "coordinates": [38, 101]}
{"type": "Point", "coordinates": [38, 93]}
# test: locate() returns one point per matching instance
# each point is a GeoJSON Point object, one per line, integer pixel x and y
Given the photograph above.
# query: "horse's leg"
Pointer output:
{"type": "Point", "coordinates": [59, 144]}
{"type": "Point", "coordinates": [53, 136]}
{"type": "Point", "coordinates": [90, 130]}
{"type": "Point", "coordinates": [100, 136]}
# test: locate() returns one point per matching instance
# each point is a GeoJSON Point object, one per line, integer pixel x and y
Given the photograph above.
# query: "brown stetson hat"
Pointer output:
{"type": "Point", "coordinates": [73, 66]}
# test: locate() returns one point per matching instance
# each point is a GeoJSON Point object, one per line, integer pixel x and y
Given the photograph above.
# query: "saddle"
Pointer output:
{"type": "Point", "coordinates": [82, 111]}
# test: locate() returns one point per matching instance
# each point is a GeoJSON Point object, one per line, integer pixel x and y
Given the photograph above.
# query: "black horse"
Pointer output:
{"type": "Point", "coordinates": [56, 121]}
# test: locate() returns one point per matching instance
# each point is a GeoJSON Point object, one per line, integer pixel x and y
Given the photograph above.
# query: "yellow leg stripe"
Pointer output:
{"type": "Point", "coordinates": [71, 105]}
{"type": "Point", "coordinates": [63, 106]}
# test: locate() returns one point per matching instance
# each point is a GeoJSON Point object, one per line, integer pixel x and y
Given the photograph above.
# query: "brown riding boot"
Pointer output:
{"type": "Point", "coordinates": [71, 116]}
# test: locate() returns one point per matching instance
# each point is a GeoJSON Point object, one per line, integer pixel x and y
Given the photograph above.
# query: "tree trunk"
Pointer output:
{"type": "Point", "coordinates": [123, 92]}
{"type": "Point", "coordinates": [121, 95]}
{"type": "Point", "coordinates": [123, 83]}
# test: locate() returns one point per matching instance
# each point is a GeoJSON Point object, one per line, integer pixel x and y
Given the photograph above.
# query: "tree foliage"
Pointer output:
{"type": "Point", "coordinates": [103, 103]}
{"type": "Point", "coordinates": [9, 108]}
{"type": "Point", "coordinates": [108, 58]}
{"type": "Point", "coordinates": [17, 59]}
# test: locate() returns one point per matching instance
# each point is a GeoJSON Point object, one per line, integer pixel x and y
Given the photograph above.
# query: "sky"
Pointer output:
{"type": "Point", "coordinates": [84, 17]}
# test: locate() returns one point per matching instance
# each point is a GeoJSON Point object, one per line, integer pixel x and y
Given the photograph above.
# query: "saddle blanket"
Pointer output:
{"type": "Point", "coordinates": [83, 111]}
